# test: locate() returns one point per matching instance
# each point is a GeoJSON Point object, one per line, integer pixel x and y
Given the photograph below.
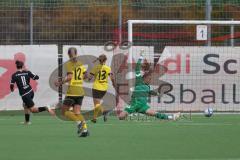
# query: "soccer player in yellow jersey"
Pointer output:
{"type": "Point", "coordinates": [76, 73]}
{"type": "Point", "coordinates": [100, 72]}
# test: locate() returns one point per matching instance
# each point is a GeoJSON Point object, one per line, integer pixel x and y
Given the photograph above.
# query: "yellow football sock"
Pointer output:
{"type": "Point", "coordinates": [97, 109]}
{"type": "Point", "coordinates": [101, 108]}
{"type": "Point", "coordinates": [70, 115]}
{"type": "Point", "coordinates": [80, 117]}
{"type": "Point", "coordinates": [85, 125]}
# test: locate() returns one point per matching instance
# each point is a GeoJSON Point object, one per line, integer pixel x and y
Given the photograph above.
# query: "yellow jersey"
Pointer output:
{"type": "Point", "coordinates": [75, 85]}
{"type": "Point", "coordinates": [101, 74]}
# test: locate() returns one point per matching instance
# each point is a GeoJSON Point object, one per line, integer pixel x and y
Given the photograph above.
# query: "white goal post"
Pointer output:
{"type": "Point", "coordinates": [209, 23]}
{"type": "Point", "coordinates": [173, 22]}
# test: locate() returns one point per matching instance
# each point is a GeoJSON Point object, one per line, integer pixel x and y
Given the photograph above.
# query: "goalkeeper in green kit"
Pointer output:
{"type": "Point", "coordinates": [141, 93]}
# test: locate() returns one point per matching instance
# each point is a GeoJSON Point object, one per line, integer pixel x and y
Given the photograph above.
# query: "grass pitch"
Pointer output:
{"type": "Point", "coordinates": [48, 139]}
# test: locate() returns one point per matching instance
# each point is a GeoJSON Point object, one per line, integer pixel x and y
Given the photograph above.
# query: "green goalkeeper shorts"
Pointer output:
{"type": "Point", "coordinates": [137, 107]}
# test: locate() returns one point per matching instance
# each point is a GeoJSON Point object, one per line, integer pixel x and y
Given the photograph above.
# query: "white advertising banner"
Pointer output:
{"type": "Point", "coordinates": [200, 77]}
{"type": "Point", "coordinates": [41, 60]}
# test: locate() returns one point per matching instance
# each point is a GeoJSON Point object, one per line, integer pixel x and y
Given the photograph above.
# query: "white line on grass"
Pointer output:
{"type": "Point", "coordinates": [177, 124]}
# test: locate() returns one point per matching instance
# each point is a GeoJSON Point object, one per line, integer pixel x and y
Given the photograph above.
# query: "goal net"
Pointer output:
{"type": "Point", "coordinates": [196, 63]}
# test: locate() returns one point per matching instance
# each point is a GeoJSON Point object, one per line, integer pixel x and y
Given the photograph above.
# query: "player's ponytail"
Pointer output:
{"type": "Point", "coordinates": [95, 60]}
{"type": "Point", "coordinates": [102, 59]}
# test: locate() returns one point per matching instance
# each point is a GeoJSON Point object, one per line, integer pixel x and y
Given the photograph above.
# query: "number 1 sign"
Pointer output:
{"type": "Point", "coordinates": [201, 32]}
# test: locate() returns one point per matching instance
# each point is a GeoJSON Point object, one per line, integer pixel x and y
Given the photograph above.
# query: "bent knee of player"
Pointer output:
{"type": "Point", "coordinates": [77, 109]}
{"type": "Point", "coordinates": [64, 109]}
{"type": "Point", "coordinates": [33, 109]}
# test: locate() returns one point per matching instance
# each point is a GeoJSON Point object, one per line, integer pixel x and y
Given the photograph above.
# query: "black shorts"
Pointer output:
{"type": "Point", "coordinates": [73, 100]}
{"type": "Point", "coordinates": [98, 94]}
{"type": "Point", "coordinates": [28, 100]}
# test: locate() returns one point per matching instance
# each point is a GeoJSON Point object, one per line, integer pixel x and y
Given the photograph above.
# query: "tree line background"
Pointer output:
{"type": "Point", "coordinates": [97, 21]}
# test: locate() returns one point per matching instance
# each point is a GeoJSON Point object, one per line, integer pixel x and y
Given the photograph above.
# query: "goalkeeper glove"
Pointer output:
{"type": "Point", "coordinates": [141, 54]}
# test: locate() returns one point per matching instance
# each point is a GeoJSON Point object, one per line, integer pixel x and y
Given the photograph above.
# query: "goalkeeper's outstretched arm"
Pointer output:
{"type": "Point", "coordinates": [139, 63]}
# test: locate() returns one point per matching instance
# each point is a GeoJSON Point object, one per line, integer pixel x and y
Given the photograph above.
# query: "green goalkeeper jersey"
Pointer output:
{"type": "Point", "coordinates": [141, 90]}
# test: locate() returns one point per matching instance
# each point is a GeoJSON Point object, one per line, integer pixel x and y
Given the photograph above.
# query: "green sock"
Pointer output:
{"type": "Point", "coordinates": [161, 116]}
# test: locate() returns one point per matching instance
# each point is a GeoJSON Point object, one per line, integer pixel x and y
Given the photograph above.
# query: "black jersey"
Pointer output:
{"type": "Point", "coordinates": [22, 79]}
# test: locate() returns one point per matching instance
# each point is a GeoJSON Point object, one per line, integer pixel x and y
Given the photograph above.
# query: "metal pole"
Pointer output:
{"type": "Point", "coordinates": [31, 23]}
{"type": "Point", "coordinates": [232, 35]}
{"type": "Point", "coordinates": [208, 12]}
{"type": "Point", "coordinates": [120, 20]}
{"type": "Point", "coordinates": [130, 57]}
{"type": "Point", "coordinates": [60, 72]}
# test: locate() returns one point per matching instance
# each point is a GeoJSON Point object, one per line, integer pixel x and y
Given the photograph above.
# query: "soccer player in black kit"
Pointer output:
{"type": "Point", "coordinates": [22, 78]}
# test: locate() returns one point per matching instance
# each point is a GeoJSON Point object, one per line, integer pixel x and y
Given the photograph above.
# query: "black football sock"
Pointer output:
{"type": "Point", "coordinates": [41, 109]}
{"type": "Point", "coordinates": [27, 117]}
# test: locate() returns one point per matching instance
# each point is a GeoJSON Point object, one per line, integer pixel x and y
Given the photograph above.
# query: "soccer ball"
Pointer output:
{"type": "Point", "coordinates": [208, 112]}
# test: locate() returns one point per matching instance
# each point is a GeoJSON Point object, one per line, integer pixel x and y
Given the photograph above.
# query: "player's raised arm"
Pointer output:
{"type": "Point", "coordinates": [139, 63]}
{"type": "Point", "coordinates": [33, 76]}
